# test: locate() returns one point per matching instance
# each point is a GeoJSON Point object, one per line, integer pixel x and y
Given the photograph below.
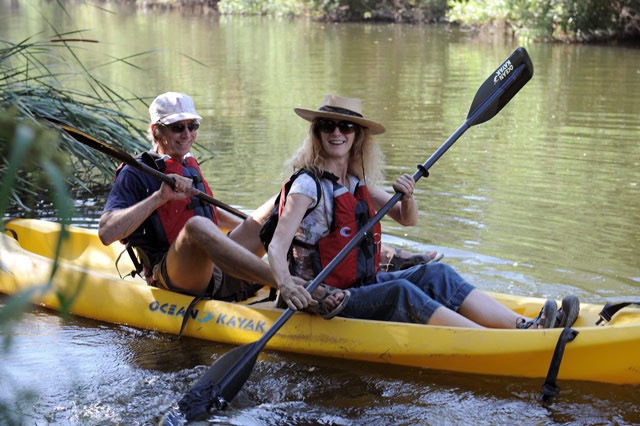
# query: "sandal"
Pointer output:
{"type": "Point", "coordinates": [398, 263]}
{"type": "Point", "coordinates": [546, 318]}
{"type": "Point", "coordinates": [322, 308]}
{"type": "Point", "coordinates": [568, 313]}
{"type": "Point", "coordinates": [420, 259]}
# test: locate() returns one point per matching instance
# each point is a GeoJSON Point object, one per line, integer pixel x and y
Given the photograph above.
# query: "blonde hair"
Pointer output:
{"type": "Point", "coordinates": [366, 158]}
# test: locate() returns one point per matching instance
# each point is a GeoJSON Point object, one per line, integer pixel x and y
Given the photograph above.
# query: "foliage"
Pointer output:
{"type": "Point", "coordinates": [30, 153]}
{"type": "Point", "coordinates": [566, 20]}
{"type": "Point", "coordinates": [38, 163]}
{"type": "Point", "coordinates": [31, 150]}
{"type": "Point", "coordinates": [40, 80]}
{"type": "Point", "coordinates": [342, 10]}
{"type": "Point", "coordinates": [381, 10]}
{"type": "Point", "coordinates": [278, 8]}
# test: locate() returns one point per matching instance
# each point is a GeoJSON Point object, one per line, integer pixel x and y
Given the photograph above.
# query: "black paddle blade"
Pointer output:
{"type": "Point", "coordinates": [92, 142]}
{"type": "Point", "coordinates": [217, 386]}
{"type": "Point", "coordinates": [520, 63]}
{"type": "Point", "coordinates": [97, 144]}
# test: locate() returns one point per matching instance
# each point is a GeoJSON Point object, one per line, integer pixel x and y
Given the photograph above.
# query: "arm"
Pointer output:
{"type": "Point", "coordinates": [247, 233]}
{"type": "Point", "coordinates": [227, 220]}
{"type": "Point", "coordinates": [296, 296]}
{"type": "Point", "coordinates": [118, 224]}
{"type": "Point", "coordinates": [406, 211]}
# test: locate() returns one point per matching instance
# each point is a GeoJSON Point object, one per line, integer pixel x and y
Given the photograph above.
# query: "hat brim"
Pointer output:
{"type": "Point", "coordinates": [173, 118]}
{"type": "Point", "coordinates": [311, 115]}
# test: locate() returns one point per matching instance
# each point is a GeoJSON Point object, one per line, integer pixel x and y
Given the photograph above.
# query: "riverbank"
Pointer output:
{"type": "Point", "coordinates": [564, 21]}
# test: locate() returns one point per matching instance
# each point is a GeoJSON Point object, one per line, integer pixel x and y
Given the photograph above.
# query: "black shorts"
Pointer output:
{"type": "Point", "coordinates": [221, 287]}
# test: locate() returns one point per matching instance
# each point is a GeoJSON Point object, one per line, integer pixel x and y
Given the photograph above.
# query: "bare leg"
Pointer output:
{"type": "Point", "coordinates": [446, 317]}
{"type": "Point", "coordinates": [199, 246]}
{"type": "Point", "coordinates": [488, 312]}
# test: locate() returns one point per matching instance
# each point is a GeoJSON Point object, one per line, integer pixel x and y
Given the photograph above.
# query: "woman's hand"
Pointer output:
{"type": "Point", "coordinates": [405, 184]}
{"type": "Point", "coordinates": [296, 296]}
{"type": "Point", "coordinates": [406, 211]}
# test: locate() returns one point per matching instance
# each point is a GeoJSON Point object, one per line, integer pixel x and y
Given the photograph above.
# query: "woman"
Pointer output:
{"type": "Point", "coordinates": [340, 153]}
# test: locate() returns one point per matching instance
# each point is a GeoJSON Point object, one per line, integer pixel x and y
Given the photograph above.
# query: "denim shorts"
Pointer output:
{"type": "Point", "coordinates": [411, 295]}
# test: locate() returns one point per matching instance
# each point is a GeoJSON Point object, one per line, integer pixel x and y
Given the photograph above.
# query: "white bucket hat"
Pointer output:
{"type": "Point", "coordinates": [171, 107]}
{"type": "Point", "coordinates": [339, 108]}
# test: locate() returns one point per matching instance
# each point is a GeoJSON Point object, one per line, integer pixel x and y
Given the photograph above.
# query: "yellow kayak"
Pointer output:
{"type": "Point", "coordinates": [87, 284]}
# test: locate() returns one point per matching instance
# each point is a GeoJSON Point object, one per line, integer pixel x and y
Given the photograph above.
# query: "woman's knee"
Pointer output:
{"type": "Point", "coordinates": [412, 304]}
{"type": "Point", "coordinates": [403, 291]}
{"type": "Point", "coordinates": [439, 269]}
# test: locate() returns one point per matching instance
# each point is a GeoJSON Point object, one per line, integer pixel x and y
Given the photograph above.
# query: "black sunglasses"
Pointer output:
{"type": "Point", "coordinates": [328, 126]}
{"type": "Point", "coordinates": [179, 127]}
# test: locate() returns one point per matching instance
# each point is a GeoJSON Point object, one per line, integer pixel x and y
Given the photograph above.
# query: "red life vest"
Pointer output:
{"type": "Point", "coordinates": [171, 217]}
{"type": "Point", "coordinates": [351, 212]}
{"type": "Point", "coordinates": [174, 214]}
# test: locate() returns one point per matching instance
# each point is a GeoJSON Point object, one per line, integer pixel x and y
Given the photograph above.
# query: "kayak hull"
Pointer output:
{"type": "Point", "coordinates": [87, 284]}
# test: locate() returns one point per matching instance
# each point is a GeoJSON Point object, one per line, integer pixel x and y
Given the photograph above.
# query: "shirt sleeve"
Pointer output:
{"type": "Point", "coordinates": [129, 188]}
{"type": "Point", "coordinates": [305, 185]}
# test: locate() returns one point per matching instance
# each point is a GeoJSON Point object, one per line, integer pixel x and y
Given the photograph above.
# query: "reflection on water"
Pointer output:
{"type": "Point", "coordinates": [544, 199]}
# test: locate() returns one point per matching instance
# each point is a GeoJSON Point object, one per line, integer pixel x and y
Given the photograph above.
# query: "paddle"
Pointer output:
{"type": "Point", "coordinates": [127, 159]}
{"type": "Point", "coordinates": [224, 379]}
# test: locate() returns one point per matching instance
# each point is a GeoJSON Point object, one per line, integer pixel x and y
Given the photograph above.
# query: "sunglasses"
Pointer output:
{"type": "Point", "coordinates": [179, 127]}
{"type": "Point", "coordinates": [328, 126]}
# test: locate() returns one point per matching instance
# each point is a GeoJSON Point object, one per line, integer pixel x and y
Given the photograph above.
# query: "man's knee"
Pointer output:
{"type": "Point", "coordinates": [198, 226]}
{"type": "Point", "coordinates": [200, 233]}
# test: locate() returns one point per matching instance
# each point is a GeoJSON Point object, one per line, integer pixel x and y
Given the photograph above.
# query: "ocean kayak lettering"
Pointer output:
{"type": "Point", "coordinates": [241, 323]}
{"type": "Point", "coordinates": [503, 72]}
{"type": "Point", "coordinates": [206, 316]}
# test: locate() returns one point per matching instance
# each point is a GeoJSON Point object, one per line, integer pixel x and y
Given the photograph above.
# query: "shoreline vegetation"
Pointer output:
{"type": "Point", "coordinates": [567, 21]}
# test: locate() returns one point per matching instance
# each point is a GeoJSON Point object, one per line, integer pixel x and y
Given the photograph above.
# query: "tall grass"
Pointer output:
{"type": "Point", "coordinates": [42, 79]}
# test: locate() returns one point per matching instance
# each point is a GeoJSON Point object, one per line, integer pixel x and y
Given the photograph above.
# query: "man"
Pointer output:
{"type": "Point", "coordinates": [178, 237]}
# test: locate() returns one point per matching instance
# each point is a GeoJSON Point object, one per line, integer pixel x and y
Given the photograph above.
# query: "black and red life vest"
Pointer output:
{"type": "Point", "coordinates": [351, 212]}
{"type": "Point", "coordinates": [161, 228]}
{"type": "Point", "coordinates": [174, 214]}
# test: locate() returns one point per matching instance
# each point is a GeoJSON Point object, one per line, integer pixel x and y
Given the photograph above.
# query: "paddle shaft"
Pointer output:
{"type": "Point", "coordinates": [127, 159]}
{"type": "Point", "coordinates": [420, 172]}
{"type": "Point", "coordinates": [223, 380]}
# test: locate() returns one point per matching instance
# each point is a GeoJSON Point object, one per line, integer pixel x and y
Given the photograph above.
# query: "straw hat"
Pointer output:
{"type": "Point", "coordinates": [171, 107]}
{"type": "Point", "coordinates": [339, 108]}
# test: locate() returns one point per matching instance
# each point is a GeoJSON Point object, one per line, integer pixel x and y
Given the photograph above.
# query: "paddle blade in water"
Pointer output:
{"type": "Point", "coordinates": [217, 386]}
{"type": "Point", "coordinates": [507, 80]}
